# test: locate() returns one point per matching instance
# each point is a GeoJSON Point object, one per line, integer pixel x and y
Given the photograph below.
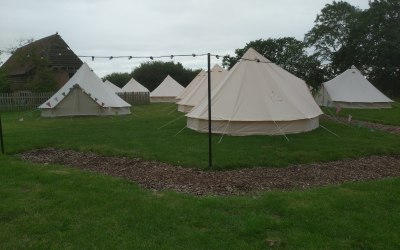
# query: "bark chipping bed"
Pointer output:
{"type": "Point", "coordinates": [161, 176]}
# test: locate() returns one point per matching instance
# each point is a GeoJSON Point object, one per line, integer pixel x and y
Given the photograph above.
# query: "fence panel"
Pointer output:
{"type": "Point", "coordinates": [21, 101]}
{"type": "Point", "coordinates": [135, 98]}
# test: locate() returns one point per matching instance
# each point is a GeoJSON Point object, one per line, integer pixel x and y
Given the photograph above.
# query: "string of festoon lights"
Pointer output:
{"type": "Point", "coordinates": [217, 56]}
{"type": "Point", "coordinates": [146, 57]}
{"type": "Point", "coordinates": [130, 57]}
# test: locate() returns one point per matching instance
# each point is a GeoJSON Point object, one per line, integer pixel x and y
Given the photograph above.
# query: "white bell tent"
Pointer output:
{"type": "Point", "coordinates": [84, 94]}
{"type": "Point", "coordinates": [167, 91]}
{"type": "Point", "coordinates": [115, 88]}
{"type": "Point", "coordinates": [192, 85]}
{"type": "Point", "coordinates": [351, 90]}
{"type": "Point", "coordinates": [257, 97]}
{"type": "Point", "coordinates": [134, 86]}
{"type": "Point", "coordinates": [200, 90]}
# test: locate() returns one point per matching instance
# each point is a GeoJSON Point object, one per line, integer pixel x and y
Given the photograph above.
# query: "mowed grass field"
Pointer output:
{"type": "Point", "coordinates": [57, 207]}
{"type": "Point", "coordinates": [155, 132]}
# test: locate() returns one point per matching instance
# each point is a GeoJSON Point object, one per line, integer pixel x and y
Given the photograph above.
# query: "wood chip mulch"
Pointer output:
{"type": "Point", "coordinates": [161, 176]}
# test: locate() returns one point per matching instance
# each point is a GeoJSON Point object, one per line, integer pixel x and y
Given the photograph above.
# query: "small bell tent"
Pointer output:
{"type": "Point", "coordinates": [167, 91]}
{"type": "Point", "coordinates": [193, 84]}
{"type": "Point", "coordinates": [114, 87]}
{"type": "Point", "coordinates": [351, 90]}
{"type": "Point", "coordinates": [84, 94]}
{"type": "Point", "coordinates": [200, 90]}
{"type": "Point", "coordinates": [134, 86]}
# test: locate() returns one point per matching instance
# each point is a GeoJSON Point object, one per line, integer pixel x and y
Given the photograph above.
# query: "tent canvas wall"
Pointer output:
{"type": "Point", "coordinates": [351, 90]}
{"type": "Point", "coordinates": [200, 90]}
{"type": "Point", "coordinates": [134, 86]}
{"type": "Point", "coordinates": [202, 74]}
{"type": "Point", "coordinates": [114, 87]}
{"type": "Point", "coordinates": [84, 94]}
{"type": "Point", "coordinates": [257, 97]}
{"type": "Point", "coordinates": [167, 91]}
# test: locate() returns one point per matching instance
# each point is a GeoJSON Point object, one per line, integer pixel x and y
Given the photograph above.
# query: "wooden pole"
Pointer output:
{"type": "Point", "coordinates": [1, 137]}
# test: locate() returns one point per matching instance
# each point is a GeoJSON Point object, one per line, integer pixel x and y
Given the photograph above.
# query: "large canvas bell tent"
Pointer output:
{"type": "Point", "coordinates": [200, 90]}
{"type": "Point", "coordinates": [351, 90]}
{"type": "Point", "coordinates": [167, 91]}
{"type": "Point", "coordinates": [134, 86]}
{"type": "Point", "coordinates": [84, 94]}
{"type": "Point", "coordinates": [257, 97]}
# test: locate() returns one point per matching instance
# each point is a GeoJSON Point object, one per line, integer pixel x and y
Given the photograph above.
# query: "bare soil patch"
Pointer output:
{"type": "Point", "coordinates": [157, 176]}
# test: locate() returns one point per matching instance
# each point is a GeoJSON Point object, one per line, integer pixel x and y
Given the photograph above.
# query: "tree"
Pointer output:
{"type": "Point", "coordinates": [332, 29]}
{"type": "Point", "coordinates": [288, 53]}
{"type": "Point", "coordinates": [373, 46]}
{"type": "Point", "coordinates": [151, 74]}
{"type": "Point", "coordinates": [118, 78]}
{"type": "Point", "coordinates": [43, 79]}
{"type": "Point", "coordinates": [4, 84]}
{"type": "Point", "coordinates": [38, 70]}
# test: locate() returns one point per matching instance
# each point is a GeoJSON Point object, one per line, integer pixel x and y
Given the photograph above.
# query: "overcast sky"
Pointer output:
{"type": "Point", "coordinates": [156, 27]}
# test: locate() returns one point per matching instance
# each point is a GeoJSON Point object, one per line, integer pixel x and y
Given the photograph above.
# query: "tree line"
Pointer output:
{"type": "Point", "coordinates": [342, 36]}
{"type": "Point", "coordinates": [151, 74]}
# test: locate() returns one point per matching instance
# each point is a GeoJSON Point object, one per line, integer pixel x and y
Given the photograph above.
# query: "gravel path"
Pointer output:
{"type": "Point", "coordinates": [371, 125]}
{"type": "Point", "coordinates": [161, 176]}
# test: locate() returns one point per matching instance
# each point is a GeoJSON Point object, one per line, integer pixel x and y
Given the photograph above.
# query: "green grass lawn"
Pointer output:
{"type": "Point", "coordinates": [56, 207]}
{"type": "Point", "coordinates": [48, 206]}
{"type": "Point", "coordinates": [383, 116]}
{"type": "Point", "coordinates": [139, 135]}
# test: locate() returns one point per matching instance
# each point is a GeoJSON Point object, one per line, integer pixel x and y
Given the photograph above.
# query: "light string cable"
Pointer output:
{"type": "Point", "coordinates": [143, 57]}
{"type": "Point", "coordinates": [172, 56]}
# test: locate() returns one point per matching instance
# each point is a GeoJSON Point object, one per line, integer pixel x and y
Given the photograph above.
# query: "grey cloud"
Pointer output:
{"type": "Point", "coordinates": [156, 27]}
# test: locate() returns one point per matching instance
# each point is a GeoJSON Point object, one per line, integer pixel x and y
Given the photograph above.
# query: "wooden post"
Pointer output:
{"type": "Point", "coordinates": [1, 137]}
